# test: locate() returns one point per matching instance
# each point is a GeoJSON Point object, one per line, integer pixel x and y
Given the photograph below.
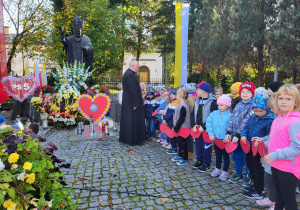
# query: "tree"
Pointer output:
{"type": "Point", "coordinates": [31, 21]}
{"type": "Point", "coordinates": [285, 37]}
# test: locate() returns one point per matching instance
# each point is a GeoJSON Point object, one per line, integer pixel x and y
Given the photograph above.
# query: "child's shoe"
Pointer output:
{"type": "Point", "coordinates": [247, 181]}
{"type": "Point", "coordinates": [190, 155]}
{"type": "Point", "coordinates": [197, 164]}
{"type": "Point", "coordinates": [298, 189]}
{"type": "Point", "coordinates": [250, 188]}
{"type": "Point", "coordinates": [204, 168]}
{"type": "Point", "coordinates": [272, 207]}
{"type": "Point", "coordinates": [176, 158]}
{"type": "Point", "coordinates": [182, 162]}
{"type": "Point", "coordinates": [171, 151]}
{"type": "Point", "coordinates": [169, 146]}
{"type": "Point", "coordinates": [224, 175]}
{"type": "Point", "coordinates": [216, 172]}
{"type": "Point", "coordinates": [159, 140]}
{"type": "Point", "coordinates": [253, 194]}
{"type": "Point", "coordinates": [236, 178]}
{"type": "Point", "coordinates": [265, 202]}
{"type": "Point", "coordinates": [165, 144]}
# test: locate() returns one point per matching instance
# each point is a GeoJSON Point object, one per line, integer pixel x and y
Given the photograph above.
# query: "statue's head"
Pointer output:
{"type": "Point", "coordinates": [78, 25]}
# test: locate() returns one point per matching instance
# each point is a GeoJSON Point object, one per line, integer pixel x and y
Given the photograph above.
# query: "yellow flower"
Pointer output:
{"type": "Point", "coordinates": [78, 78]}
{"type": "Point", "coordinates": [64, 81]}
{"type": "Point", "coordinates": [13, 157]}
{"type": "Point", "coordinates": [107, 97]}
{"type": "Point", "coordinates": [10, 205]}
{"type": "Point", "coordinates": [30, 178]}
{"type": "Point", "coordinates": [83, 78]}
{"type": "Point", "coordinates": [90, 97]}
{"type": "Point", "coordinates": [60, 80]}
{"type": "Point", "coordinates": [54, 83]}
{"type": "Point", "coordinates": [106, 109]}
{"type": "Point", "coordinates": [27, 165]}
{"type": "Point", "coordinates": [83, 95]}
{"type": "Point", "coordinates": [84, 85]}
{"type": "Point", "coordinates": [95, 97]}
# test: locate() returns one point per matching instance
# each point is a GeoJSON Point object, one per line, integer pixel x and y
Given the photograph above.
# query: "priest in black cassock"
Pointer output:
{"type": "Point", "coordinates": [132, 126]}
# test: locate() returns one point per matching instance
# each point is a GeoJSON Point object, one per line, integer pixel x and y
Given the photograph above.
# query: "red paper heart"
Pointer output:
{"type": "Point", "coordinates": [262, 149]}
{"type": "Point", "coordinates": [184, 132]}
{"type": "Point", "coordinates": [230, 147]}
{"type": "Point", "coordinates": [164, 128]}
{"type": "Point", "coordinates": [97, 106]}
{"type": "Point", "coordinates": [219, 143]}
{"type": "Point", "coordinates": [195, 134]}
{"type": "Point", "coordinates": [171, 133]}
{"type": "Point", "coordinates": [154, 113]}
{"type": "Point", "coordinates": [254, 149]}
{"type": "Point", "coordinates": [205, 137]}
{"type": "Point", "coordinates": [19, 88]}
{"type": "Point", "coordinates": [245, 147]}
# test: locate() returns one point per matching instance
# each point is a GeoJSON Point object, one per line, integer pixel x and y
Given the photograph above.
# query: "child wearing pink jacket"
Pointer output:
{"type": "Point", "coordinates": [284, 147]}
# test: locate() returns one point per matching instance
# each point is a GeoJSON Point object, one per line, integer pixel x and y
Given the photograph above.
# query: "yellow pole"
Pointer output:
{"type": "Point", "coordinates": [178, 37]}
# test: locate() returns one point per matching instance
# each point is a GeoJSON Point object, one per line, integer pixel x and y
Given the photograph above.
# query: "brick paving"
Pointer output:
{"type": "Point", "coordinates": [107, 165]}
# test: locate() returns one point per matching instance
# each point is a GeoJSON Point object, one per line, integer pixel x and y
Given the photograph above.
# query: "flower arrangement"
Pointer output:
{"type": "Point", "coordinates": [43, 89]}
{"type": "Point", "coordinates": [71, 77]}
{"type": "Point", "coordinates": [97, 89]}
{"type": "Point", "coordinates": [63, 120]}
{"type": "Point", "coordinates": [31, 177]}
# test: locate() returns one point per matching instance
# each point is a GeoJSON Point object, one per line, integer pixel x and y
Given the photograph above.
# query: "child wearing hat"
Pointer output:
{"type": "Point", "coordinates": [168, 118]}
{"type": "Point", "coordinates": [2, 123]}
{"type": "Point", "coordinates": [258, 125]}
{"type": "Point", "coordinates": [150, 106]}
{"type": "Point", "coordinates": [204, 105]}
{"type": "Point", "coordinates": [216, 125]}
{"type": "Point", "coordinates": [235, 127]}
{"type": "Point", "coordinates": [273, 87]}
{"type": "Point", "coordinates": [235, 87]}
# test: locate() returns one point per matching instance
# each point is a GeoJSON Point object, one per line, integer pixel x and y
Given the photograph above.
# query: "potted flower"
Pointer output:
{"type": "Point", "coordinates": [97, 89]}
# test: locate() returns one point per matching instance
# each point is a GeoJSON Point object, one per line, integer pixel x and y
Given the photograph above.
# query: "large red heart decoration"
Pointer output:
{"type": "Point", "coordinates": [254, 149]}
{"type": "Point", "coordinates": [262, 149]}
{"type": "Point", "coordinates": [19, 88]}
{"type": "Point", "coordinates": [205, 137]}
{"type": "Point", "coordinates": [195, 134]}
{"type": "Point", "coordinates": [97, 106]}
{"type": "Point", "coordinates": [245, 147]}
{"type": "Point", "coordinates": [230, 147]}
{"type": "Point", "coordinates": [164, 128]}
{"type": "Point", "coordinates": [184, 132]}
{"type": "Point", "coordinates": [219, 143]}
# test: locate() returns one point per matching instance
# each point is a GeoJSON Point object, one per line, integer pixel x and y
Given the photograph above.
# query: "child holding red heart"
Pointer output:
{"type": "Point", "coordinates": [258, 125]}
{"type": "Point", "coordinates": [216, 125]}
{"type": "Point", "coordinates": [284, 147]}
{"type": "Point", "coordinates": [236, 125]}
{"type": "Point", "coordinates": [181, 119]}
{"type": "Point", "coordinates": [204, 105]}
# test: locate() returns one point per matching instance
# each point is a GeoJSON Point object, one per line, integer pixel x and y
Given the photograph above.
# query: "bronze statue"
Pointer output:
{"type": "Point", "coordinates": [78, 46]}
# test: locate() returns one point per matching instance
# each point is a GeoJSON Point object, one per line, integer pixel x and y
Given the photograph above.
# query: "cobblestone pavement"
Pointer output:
{"type": "Point", "coordinates": [105, 164]}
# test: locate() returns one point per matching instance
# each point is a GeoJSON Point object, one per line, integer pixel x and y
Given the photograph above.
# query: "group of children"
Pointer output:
{"type": "Point", "coordinates": [255, 115]}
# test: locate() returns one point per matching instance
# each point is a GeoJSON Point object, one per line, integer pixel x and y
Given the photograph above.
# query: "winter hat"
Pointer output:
{"type": "Point", "coordinates": [260, 101]}
{"type": "Point", "coordinates": [2, 119]}
{"type": "Point", "coordinates": [249, 86]}
{"type": "Point", "coordinates": [236, 86]}
{"type": "Point", "coordinates": [158, 88]}
{"type": "Point", "coordinates": [224, 99]}
{"type": "Point", "coordinates": [173, 91]}
{"type": "Point", "coordinates": [204, 86]}
{"type": "Point", "coordinates": [149, 87]}
{"type": "Point", "coordinates": [274, 86]}
{"type": "Point", "coordinates": [262, 91]}
{"type": "Point", "coordinates": [190, 87]}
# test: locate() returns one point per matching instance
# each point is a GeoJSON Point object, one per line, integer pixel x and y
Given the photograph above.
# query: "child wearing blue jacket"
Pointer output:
{"type": "Point", "coordinates": [216, 125]}
{"type": "Point", "coordinates": [236, 125]}
{"type": "Point", "coordinates": [168, 118]}
{"type": "Point", "coordinates": [150, 106]}
{"type": "Point", "coordinates": [258, 125]}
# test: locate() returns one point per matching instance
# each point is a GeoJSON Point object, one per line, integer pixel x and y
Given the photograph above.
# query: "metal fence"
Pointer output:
{"type": "Point", "coordinates": [113, 83]}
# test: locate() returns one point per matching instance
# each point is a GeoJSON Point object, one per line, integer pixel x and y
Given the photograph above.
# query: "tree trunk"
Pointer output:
{"type": "Point", "coordinates": [294, 79]}
{"type": "Point", "coordinates": [237, 72]}
{"type": "Point", "coordinates": [190, 66]}
{"type": "Point", "coordinates": [260, 69]}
